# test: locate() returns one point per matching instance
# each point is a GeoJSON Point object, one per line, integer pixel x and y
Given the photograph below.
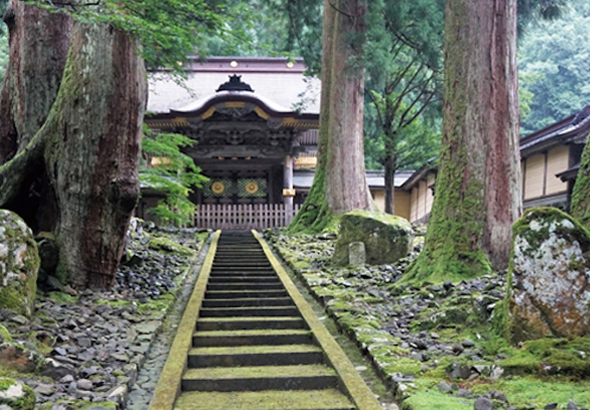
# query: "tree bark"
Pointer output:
{"type": "Point", "coordinates": [340, 182]}
{"type": "Point", "coordinates": [88, 148]}
{"type": "Point", "coordinates": [390, 168]}
{"type": "Point", "coordinates": [478, 185]}
{"type": "Point", "coordinates": [39, 42]}
{"type": "Point", "coordinates": [346, 183]}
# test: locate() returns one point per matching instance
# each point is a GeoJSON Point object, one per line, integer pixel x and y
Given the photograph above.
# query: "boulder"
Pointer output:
{"type": "Point", "coordinates": [387, 238]}
{"type": "Point", "coordinates": [550, 268]}
{"type": "Point", "coordinates": [19, 264]}
{"type": "Point", "coordinates": [16, 395]}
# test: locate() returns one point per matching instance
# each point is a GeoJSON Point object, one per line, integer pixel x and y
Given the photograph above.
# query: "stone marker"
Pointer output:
{"type": "Point", "coordinates": [550, 268]}
{"type": "Point", "coordinates": [356, 254]}
{"type": "Point", "coordinates": [386, 238]}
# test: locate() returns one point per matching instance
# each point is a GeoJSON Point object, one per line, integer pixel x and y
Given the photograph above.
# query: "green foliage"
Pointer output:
{"type": "Point", "coordinates": [174, 175]}
{"type": "Point", "coordinates": [168, 30]}
{"type": "Point", "coordinates": [554, 68]}
{"type": "Point", "coordinates": [273, 27]}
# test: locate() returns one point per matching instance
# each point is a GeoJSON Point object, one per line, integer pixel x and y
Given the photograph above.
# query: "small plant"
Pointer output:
{"type": "Point", "coordinates": [166, 169]}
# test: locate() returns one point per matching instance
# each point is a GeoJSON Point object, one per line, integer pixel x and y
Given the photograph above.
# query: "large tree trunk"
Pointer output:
{"type": "Point", "coordinates": [477, 189]}
{"type": "Point", "coordinates": [339, 184]}
{"type": "Point", "coordinates": [89, 150]}
{"type": "Point", "coordinates": [346, 183]}
{"type": "Point", "coordinates": [580, 206]}
{"type": "Point", "coordinates": [39, 42]}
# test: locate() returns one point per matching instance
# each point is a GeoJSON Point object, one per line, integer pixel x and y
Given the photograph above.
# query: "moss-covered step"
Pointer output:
{"type": "Point", "coordinates": [252, 337]}
{"type": "Point", "coordinates": [330, 399]}
{"type": "Point", "coordinates": [250, 311]}
{"type": "Point", "coordinates": [245, 286]}
{"type": "Point", "coordinates": [257, 378]}
{"type": "Point", "coordinates": [232, 294]}
{"type": "Point", "coordinates": [249, 322]}
{"type": "Point", "coordinates": [282, 355]}
{"type": "Point", "coordinates": [236, 302]}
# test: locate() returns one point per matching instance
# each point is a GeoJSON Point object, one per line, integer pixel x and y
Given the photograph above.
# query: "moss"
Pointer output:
{"type": "Point", "coordinates": [549, 356]}
{"type": "Point", "coordinates": [431, 399]}
{"type": "Point", "coordinates": [26, 402]}
{"type": "Point", "coordinates": [580, 202]}
{"type": "Point", "coordinates": [166, 245]}
{"type": "Point", "coordinates": [113, 303]}
{"type": "Point", "coordinates": [5, 334]}
{"type": "Point", "coordinates": [63, 298]}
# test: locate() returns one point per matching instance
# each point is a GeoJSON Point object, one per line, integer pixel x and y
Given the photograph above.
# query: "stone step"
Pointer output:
{"type": "Point", "coordinates": [258, 378]}
{"type": "Point", "coordinates": [252, 337]}
{"type": "Point", "coordinates": [282, 355]}
{"type": "Point", "coordinates": [245, 286]}
{"type": "Point", "coordinates": [245, 279]}
{"type": "Point", "coordinates": [240, 294]}
{"type": "Point", "coordinates": [250, 311]}
{"type": "Point", "coordinates": [258, 273]}
{"type": "Point", "coordinates": [281, 301]}
{"type": "Point", "coordinates": [329, 399]}
{"type": "Point", "coordinates": [249, 322]}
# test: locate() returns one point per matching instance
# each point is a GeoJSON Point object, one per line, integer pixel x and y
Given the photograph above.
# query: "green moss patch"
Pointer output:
{"type": "Point", "coordinates": [167, 245]}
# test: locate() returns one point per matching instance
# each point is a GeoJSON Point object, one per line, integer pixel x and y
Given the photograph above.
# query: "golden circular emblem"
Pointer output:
{"type": "Point", "coordinates": [217, 187]}
{"type": "Point", "coordinates": [251, 187]}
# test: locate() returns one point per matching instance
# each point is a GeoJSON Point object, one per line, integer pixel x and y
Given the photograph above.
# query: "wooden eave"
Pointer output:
{"type": "Point", "coordinates": [560, 133]}
{"type": "Point", "coordinates": [178, 118]}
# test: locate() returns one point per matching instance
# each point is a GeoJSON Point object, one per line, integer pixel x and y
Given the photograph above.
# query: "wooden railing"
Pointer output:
{"type": "Point", "coordinates": [243, 217]}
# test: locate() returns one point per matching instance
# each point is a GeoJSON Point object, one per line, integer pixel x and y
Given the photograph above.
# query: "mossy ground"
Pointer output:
{"type": "Point", "coordinates": [535, 373]}
{"type": "Point", "coordinates": [150, 309]}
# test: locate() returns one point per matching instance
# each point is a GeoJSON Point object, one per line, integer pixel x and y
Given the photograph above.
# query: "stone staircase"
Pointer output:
{"type": "Point", "coordinates": [252, 348]}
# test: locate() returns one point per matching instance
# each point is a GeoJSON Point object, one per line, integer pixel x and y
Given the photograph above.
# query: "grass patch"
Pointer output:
{"type": "Point", "coordinates": [431, 399]}
{"type": "Point", "coordinates": [113, 303]}
{"type": "Point", "coordinates": [63, 298]}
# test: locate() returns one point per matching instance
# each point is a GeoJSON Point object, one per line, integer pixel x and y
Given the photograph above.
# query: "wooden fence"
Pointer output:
{"type": "Point", "coordinates": [243, 217]}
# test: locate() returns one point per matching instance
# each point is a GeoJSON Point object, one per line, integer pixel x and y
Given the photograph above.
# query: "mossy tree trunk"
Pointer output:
{"type": "Point", "coordinates": [340, 182]}
{"type": "Point", "coordinates": [580, 206]}
{"type": "Point", "coordinates": [29, 86]}
{"type": "Point", "coordinates": [86, 154]}
{"type": "Point", "coordinates": [478, 185]}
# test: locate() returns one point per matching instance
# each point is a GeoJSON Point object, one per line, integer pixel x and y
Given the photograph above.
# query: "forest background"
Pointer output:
{"type": "Point", "coordinates": [553, 60]}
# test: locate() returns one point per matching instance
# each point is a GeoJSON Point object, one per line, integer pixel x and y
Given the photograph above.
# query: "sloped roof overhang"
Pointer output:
{"type": "Point", "coordinates": [203, 109]}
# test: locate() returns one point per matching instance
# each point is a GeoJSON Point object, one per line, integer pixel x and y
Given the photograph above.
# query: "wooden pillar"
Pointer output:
{"type": "Point", "coordinates": [288, 183]}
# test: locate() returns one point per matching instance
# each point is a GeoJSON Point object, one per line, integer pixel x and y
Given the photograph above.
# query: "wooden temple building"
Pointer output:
{"type": "Point", "coordinates": [254, 123]}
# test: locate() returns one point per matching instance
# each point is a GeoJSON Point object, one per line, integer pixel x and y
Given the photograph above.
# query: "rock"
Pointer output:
{"type": "Point", "coordinates": [387, 238]}
{"type": "Point", "coordinates": [444, 387]}
{"type": "Point", "coordinates": [571, 405]}
{"type": "Point", "coordinates": [53, 283]}
{"type": "Point", "coordinates": [468, 343]}
{"type": "Point", "coordinates": [45, 389]}
{"type": "Point", "coordinates": [551, 406]}
{"type": "Point", "coordinates": [48, 252]}
{"type": "Point", "coordinates": [460, 372]}
{"type": "Point", "coordinates": [16, 395]}
{"type": "Point", "coordinates": [84, 384]}
{"type": "Point", "coordinates": [483, 403]}
{"type": "Point", "coordinates": [552, 276]}
{"type": "Point", "coordinates": [19, 264]}
{"type": "Point", "coordinates": [56, 370]}
{"type": "Point", "coordinates": [356, 254]}
{"type": "Point", "coordinates": [464, 394]}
